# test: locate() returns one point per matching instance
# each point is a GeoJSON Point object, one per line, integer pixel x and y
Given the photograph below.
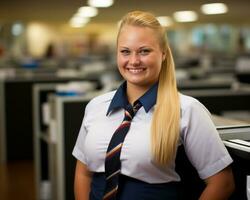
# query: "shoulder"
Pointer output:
{"type": "Point", "coordinates": [195, 118]}
{"type": "Point", "coordinates": [102, 98]}
{"type": "Point", "coordinates": [191, 105]}
{"type": "Point", "coordinates": [101, 101]}
{"type": "Point", "coordinates": [187, 102]}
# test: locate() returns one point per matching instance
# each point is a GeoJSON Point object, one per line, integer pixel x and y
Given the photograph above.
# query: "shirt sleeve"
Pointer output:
{"type": "Point", "coordinates": [202, 143]}
{"type": "Point", "coordinates": [78, 151]}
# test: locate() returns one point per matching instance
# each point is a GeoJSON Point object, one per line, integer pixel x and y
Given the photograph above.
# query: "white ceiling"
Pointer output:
{"type": "Point", "coordinates": [60, 11]}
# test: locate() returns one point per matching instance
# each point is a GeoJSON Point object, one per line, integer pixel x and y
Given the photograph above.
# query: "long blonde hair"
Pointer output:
{"type": "Point", "coordinates": [166, 117]}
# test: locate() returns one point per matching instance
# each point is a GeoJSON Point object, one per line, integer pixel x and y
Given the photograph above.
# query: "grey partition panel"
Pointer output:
{"type": "Point", "coordinates": [202, 84]}
{"type": "Point", "coordinates": [68, 115]}
{"type": "Point", "coordinates": [241, 157]}
{"type": "Point", "coordinates": [72, 118]}
{"type": "Point", "coordinates": [18, 120]}
{"type": "Point", "coordinates": [41, 92]}
{"type": "Point", "coordinates": [241, 169]}
{"type": "Point", "coordinates": [218, 104]}
{"type": "Point", "coordinates": [221, 100]}
{"type": "Point", "coordinates": [17, 114]}
{"type": "Point", "coordinates": [2, 124]}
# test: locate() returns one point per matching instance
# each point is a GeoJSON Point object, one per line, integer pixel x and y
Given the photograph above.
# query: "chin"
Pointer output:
{"type": "Point", "coordinates": [142, 84]}
{"type": "Point", "coordinates": [135, 82]}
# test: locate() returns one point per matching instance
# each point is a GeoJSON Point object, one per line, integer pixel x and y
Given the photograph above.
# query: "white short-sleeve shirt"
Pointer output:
{"type": "Point", "coordinates": [198, 134]}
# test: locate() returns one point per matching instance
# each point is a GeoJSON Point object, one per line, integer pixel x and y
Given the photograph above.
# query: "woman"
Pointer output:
{"type": "Point", "coordinates": [145, 157]}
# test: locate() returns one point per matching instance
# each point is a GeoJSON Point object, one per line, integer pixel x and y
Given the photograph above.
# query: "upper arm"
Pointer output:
{"type": "Point", "coordinates": [82, 170]}
{"type": "Point", "coordinates": [82, 181]}
{"type": "Point", "coordinates": [78, 151]}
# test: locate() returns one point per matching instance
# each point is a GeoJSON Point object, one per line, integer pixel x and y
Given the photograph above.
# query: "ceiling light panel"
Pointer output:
{"type": "Point", "coordinates": [87, 11]}
{"type": "Point", "coordinates": [185, 16]}
{"type": "Point", "coordinates": [77, 21]}
{"type": "Point", "coordinates": [100, 3]}
{"type": "Point", "coordinates": [214, 8]}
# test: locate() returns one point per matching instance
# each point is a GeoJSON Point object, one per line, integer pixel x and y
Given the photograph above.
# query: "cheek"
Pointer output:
{"type": "Point", "coordinates": [121, 62]}
{"type": "Point", "coordinates": [159, 68]}
{"type": "Point", "coordinates": [155, 66]}
{"type": "Point", "coordinates": [153, 62]}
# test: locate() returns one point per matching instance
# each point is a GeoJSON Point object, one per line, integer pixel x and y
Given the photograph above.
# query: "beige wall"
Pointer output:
{"type": "Point", "coordinates": [40, 35]}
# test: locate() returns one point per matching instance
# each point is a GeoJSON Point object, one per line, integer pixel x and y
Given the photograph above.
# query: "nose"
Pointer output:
{"type": "Point", "coordinates": [134, 59]}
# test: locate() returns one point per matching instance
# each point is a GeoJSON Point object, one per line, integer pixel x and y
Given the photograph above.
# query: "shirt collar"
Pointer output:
{"type": "Point", "coordinates": [148, 100]}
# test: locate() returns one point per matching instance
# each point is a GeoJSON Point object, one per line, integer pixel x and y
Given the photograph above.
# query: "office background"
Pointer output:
{"type": "Point", "coordinates": [56, 55]}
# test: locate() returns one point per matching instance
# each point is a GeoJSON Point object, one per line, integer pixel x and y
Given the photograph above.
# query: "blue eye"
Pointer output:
{"type": "Point", "coordinates": [144, 51]}
{"type": "Point", "coordinates": [125, 52]}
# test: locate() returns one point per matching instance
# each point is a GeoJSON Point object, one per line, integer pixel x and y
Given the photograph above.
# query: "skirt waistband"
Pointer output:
{"type": "Point", "coordinates": [134, 189]}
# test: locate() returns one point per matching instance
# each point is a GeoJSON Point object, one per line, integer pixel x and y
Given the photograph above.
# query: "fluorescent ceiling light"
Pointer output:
{"type": "Point", "coordinates": [87, 11]}
{"type": "Point", "coordinates": [165, 21]}
{"type": "Point", "coordinates": [77, 21]}
{"type": "Point", "coordinates": [214, 8]}
{"type": "Point", "coordinates": [100, 3]}
{"type": "Point", "coordinates": [185, 16]}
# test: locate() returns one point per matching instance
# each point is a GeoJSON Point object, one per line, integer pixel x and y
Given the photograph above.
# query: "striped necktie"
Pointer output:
{"type": "Point", "coordinates": [112, 160]}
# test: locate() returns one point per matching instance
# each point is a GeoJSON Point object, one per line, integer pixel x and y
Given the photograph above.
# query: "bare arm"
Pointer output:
{"type": "Point", "coordinates": [82, 181]}
{"type": "Point", "coordinates": [219, 186]}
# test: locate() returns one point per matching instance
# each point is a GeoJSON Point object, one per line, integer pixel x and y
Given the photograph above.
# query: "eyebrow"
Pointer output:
{"type": "Point", "coordinates": [139, 47]}
{"type": "Point", "coordinates": [147, 47]}
{"type": "Point", "coordinates": [123, 47]}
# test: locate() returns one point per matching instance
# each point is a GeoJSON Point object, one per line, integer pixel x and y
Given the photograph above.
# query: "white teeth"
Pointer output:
{"type": "Point", "coordinates": [135, 70]}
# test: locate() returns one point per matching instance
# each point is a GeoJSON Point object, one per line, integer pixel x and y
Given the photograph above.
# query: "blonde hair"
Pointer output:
{"type": "Point", "coordinates": [166, 117]}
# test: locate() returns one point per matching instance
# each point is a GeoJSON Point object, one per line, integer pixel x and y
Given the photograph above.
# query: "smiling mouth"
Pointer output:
{"type": "Point", "coordinates": [136, 70]}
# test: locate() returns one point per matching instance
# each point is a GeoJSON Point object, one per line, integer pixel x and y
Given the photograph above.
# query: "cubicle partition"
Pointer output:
{"type": "Point", "coordinates": [218, 101]}
{"type": "Point", "coordinates": [66, 117]}
{"type": "Point", "coordinates": [237, 140]}
{"type": "Point", "coordinates": [41, 92]}
{"type": "Point", "coordinates": [16, 115]}
{"type": "Point", "coordinates": [205, 84]}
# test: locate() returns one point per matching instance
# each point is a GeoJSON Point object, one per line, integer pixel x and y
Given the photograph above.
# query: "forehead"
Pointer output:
{"type": "Point", "coordinates": [137, 35]}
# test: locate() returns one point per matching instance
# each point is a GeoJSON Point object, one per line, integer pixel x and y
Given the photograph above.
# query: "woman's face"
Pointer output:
{"type": "Point", "coordinates": [139, 56]}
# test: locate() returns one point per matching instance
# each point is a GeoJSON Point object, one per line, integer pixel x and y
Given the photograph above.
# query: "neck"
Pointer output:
{"type": "Point", "coordinates": [135, 92]}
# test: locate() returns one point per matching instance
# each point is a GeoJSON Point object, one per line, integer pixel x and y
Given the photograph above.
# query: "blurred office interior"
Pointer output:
{"type": "Point", "coordinates": [56, 55]}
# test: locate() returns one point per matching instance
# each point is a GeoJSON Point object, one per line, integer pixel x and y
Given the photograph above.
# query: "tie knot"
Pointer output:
{"type": "Point", "coordinates": [131, 110]}
{"type": "Point", "coordinates": [137, 106]}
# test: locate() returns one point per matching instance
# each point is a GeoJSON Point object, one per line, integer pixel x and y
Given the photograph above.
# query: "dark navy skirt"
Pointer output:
{"type": "Point", "coordinates": [133, 189]}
